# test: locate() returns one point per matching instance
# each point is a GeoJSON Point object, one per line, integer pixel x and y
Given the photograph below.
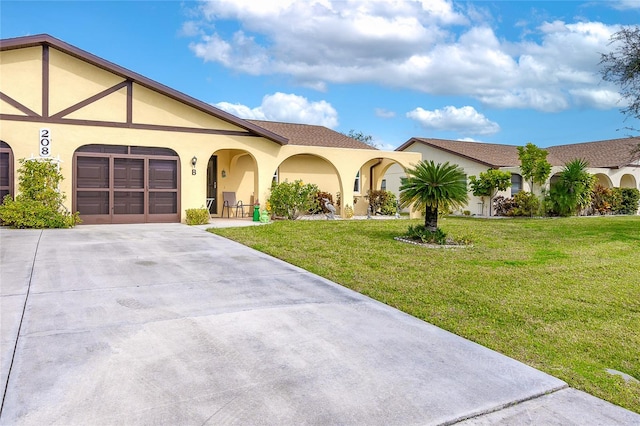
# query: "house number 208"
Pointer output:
{"type": "Point", "coordinates": [45, 143]}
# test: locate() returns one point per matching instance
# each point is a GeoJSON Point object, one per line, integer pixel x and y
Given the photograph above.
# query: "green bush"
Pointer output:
{"type": "Point", "coordinates": [382, 202]}
{"type": "Point", "coordinates": [291, 199]}
{"type": "Point", "coordinates": [197, 216]}
{"type": "Point", "coordinates": [424, 235]}
{"type": "Point", "coordinates": [628, 200]}
{"type": "Point", "coordinates": [526, 204]}
{"type": "Point", "coordinates": [38, 204]}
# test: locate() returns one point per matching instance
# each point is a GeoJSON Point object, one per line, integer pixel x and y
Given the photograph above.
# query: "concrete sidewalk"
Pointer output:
{"type": "Point", "coordinates": [168, 324]}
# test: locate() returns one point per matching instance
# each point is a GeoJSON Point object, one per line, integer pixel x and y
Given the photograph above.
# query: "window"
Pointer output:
{"type": "Point", "coordinates": [383, 185]}
{"type": "Point", "coordinates": [275, 178]}
{"type": "Point", "coordinates": [356, 183]}
{"type": "Point", "coordinates": [516, 183]}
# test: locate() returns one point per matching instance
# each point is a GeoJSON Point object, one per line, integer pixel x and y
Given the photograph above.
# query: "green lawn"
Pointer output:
{"type": "Point", "coordinates": [561, 295]}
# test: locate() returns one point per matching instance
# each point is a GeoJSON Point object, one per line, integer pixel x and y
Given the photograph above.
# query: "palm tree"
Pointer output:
{"type": "Point", "coordinates": [572, 192]}
{"type": "Point", "coordinates": [431, 186]}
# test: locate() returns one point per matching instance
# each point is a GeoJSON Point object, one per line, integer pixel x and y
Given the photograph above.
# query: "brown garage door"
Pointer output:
{"type": "Point", "coordinates": [6, 170]}
{"type": "Point", "coordinates": [126, 184]}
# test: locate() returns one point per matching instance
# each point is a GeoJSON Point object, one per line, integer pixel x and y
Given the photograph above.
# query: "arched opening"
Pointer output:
{"type": "Point", "coordinates": [6, 170]}
{"type": "Point", "coordinates": [126, 184]}
{"type": "Point", "coordinates": [628, 181]}
{"type": "Point", "coordinates": [232, 176]}
{"type": "Point", "coordinates": [604, 180]}
{"type": "Point", "coordinates": [310, 169]}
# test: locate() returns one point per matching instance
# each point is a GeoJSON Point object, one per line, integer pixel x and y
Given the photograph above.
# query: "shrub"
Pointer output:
{"type": "Point", "coordinates": [390, 205]}
{"type": "Point", "coordinates": [423, 234]}
{"type": "Point", "coordinates": [197, 216]}
{"type": "Point", "coordinates": [38, 204]}
{"type": "Point", "coordinates": [526, 204]}
{"type": "Point", "coordinates": [291, 199]}
{"type": "Point", "coordinates": [629, 199]}
{"type": "Point", "coordinates": [503, 206]}
{"type": "Point", "coordinates": [382, 202]}
{"type": "Point", "coordinates": [604, 199]}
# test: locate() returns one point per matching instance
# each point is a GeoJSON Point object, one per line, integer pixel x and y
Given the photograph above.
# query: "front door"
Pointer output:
{"type": "Point", "coordinates": [212, 184]}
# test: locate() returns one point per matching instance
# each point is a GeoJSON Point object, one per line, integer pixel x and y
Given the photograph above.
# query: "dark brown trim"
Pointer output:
{"type": "Point", "coordinates": [129, 102]}
{"type": "Point", "coordinates": [75, 122]}
{"type": "Point", "coordinates": [90, 100]}
{"type": "Point", "coordinates": [5, 147]}
{"type": "Point", "coordinates": [47, 40]}
{"type": "Point", "coordinates": [45, 80]}
{"type": "Point", "coordinates": [18, 105]}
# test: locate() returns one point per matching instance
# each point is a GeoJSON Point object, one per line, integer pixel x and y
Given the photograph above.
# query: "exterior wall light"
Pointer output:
{"type": "Point", "coordinates": [194, 160]}
{"type": "Point", "coordinates": [224, 173]}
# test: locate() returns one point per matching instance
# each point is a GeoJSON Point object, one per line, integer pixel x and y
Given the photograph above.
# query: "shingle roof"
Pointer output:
{"type": "Point", "coordinates": [610, 153]}
{"type": "Point", "coordinates": [490, 154]}
{"type": "Point", "coordinates": [311, 135]}
{"type": "Point", "coordinates": [614, 153]}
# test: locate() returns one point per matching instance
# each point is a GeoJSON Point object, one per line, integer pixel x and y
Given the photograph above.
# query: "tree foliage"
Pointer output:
{"type": "Point", "coordinates": [622, 67]}
{"type": "Point", "coordinates": [430, 187]}
{"type": "Point", "coordinates": [533, 164]}
{"type": "Point", "coordinates": [359, 136]}
{"type": "Point", "coordinates": [488, 183]}
{"type": "Point", "coordinates": [39, 203]}
{"type": "Point", "coordinates": [572, 192]}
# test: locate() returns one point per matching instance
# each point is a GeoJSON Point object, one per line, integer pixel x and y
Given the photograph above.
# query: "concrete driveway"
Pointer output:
{"type": "Point", "coordinates": [168, 324]}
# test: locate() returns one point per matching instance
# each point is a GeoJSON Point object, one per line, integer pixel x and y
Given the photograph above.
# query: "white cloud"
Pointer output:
{"type": "Point", "coordinates": [465, 120]}
{"type": "Point", "coordinates": [384, 113]}
{"type": "Point", "coordinates": [625, 4]}
{"type": "Point", "coordinates": [423, 45]}
{"type": "Point", "coordinates": [288, 108]}
{"type": "Point", "coordinates": [598, 98]}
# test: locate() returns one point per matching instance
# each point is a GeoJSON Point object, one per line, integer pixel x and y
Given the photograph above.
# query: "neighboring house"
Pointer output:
{"type": "Point", "coordinates": [132, 150]}
{"type": "Point", "coordinates": [611, 161]}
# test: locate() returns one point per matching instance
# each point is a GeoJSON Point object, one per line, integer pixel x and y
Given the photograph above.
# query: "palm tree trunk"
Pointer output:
{"type": "Point", "coordinates": [431, 218]}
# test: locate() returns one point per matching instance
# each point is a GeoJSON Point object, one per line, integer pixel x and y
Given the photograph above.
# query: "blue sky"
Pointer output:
{"type": "Point", "coordinates": [507, 72]}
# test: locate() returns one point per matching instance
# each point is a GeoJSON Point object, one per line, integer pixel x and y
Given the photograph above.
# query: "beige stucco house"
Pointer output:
{"type": "Point", "coordinates": [133, 150]}
{"type": "Point", "coordinates": [611, 161]}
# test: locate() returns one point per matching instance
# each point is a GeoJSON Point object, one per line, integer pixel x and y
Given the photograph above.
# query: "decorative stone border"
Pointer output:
{"type": "Point", "coordinates": [430, 245]}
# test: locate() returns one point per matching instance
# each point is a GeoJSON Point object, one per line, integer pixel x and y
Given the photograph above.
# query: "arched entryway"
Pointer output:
{"type": "Point", "coordinates": [126, 184]}
{"type": "Point", "coordinates": [234, 173]}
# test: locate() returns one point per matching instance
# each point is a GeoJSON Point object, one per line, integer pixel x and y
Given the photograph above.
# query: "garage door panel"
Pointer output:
{"type": "Point", "coordinates": [92, 172]}
{"type": "Point", "coordinates": [92, 202]}
{"type": "Point", "coordinates": [163, 203]}
{"type": "Point", "coordinates": [163, 174]}
{"type": "Point", "coordinates": [128, 203]}
{"type": "Point", "coordinates": [4, 169]}
{"type": "Point", "coordinates": [128, 173]}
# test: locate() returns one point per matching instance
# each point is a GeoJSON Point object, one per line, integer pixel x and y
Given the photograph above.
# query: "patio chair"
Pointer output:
{"type": "Point", "coordinates": [229, 202]}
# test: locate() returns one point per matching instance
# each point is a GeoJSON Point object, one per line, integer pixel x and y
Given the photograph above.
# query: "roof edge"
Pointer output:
{"type": "Point", "coordinates": [48, 40]}
{"type": "Point", "coordinates": [424, 142]}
